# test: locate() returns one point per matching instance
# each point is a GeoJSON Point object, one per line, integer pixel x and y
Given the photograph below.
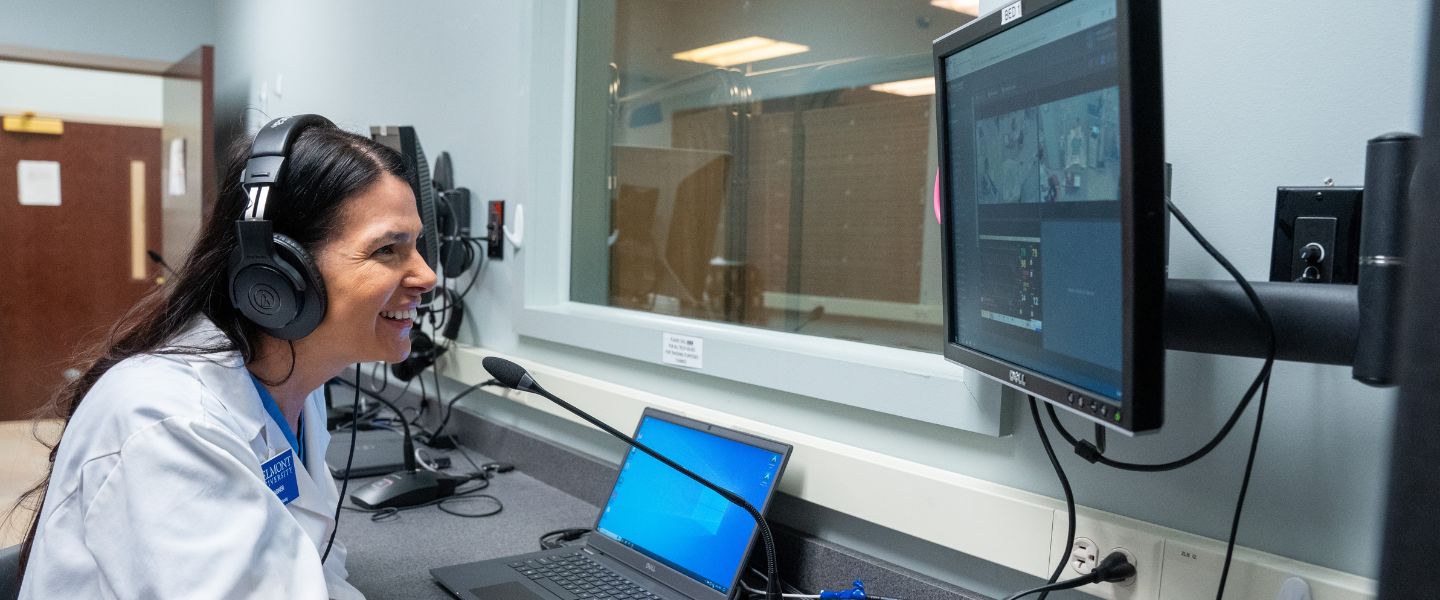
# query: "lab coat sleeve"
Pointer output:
{"type": "Point", "coordinates": [183, 514]}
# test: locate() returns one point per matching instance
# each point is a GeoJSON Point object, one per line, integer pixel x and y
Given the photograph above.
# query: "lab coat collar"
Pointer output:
{"type": "Point", "coordinates": [224, 374]}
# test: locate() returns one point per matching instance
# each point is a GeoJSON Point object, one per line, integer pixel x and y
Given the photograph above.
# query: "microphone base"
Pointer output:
{"type": "Point", "coordinates": [405, 488]}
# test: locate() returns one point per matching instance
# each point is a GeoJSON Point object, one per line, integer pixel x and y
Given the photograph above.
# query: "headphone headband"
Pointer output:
{"type": "Point", "coordinates": [267, 159]}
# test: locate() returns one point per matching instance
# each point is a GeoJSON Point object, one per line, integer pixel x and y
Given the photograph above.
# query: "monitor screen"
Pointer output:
{"type": "Point", "coordinates": [678, 522]}
{"type": "Point", "coordinates": [1042, 192]}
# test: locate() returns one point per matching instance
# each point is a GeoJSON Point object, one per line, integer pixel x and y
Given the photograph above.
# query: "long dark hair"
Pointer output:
{"type": "Point", "coordinates": [326, 167]}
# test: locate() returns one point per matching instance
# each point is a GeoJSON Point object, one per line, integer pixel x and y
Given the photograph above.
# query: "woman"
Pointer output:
{"type": "Point", "coordinates": [193, 458]}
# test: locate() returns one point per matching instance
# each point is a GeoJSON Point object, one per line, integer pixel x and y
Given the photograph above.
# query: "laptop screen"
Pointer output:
{"type": "Point", "coordinates": [675, 520]}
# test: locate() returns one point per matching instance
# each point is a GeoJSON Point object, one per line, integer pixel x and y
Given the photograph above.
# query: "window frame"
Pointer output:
{"type": "Point", "coordinates": [907, 383]}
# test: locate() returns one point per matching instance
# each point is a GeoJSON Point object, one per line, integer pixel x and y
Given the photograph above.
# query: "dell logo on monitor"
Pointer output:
{"type": "Point", "coordinates": [1017, 378]}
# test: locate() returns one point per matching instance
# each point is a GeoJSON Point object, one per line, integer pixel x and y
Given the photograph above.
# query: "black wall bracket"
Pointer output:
{"type": "Point", "coordinates": [1327, 324]}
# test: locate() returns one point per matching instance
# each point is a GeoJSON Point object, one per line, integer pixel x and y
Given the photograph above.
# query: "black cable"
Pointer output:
{"type": "Point", "coordinates": [1068, 584]}
{"type": "Point", "coordinates": [450, 407]}
{"type": "Point", "coordinates": [377, 396]}
{"type": "Point", "coordinates": [561, 536]}
{"type": "Point", "coordinates": [423, 397]}
{"type": "Point", "coordinates": [1069, 495]}
{"type": "Point", "coordinates": [1261, 382]}
{"type": "Point", "coordinates": [451, 299]}
{"type": "Point", "coordinates": [384, 379]}
{"type": "Point", "coordinates": [1115, 567]}
{"type": "Point", "coordinates": [346, 482]}
{"type": "Point", "coordinates": [477, 272]}
{"type": "Point", "coordinates": [1089, 451]}
{"type": "Point", "coordinates": [435, 376]}
{"type": "Point", "coordinates": [1244, 487]}
{"type": "Point", "coordinates": [420, 412]}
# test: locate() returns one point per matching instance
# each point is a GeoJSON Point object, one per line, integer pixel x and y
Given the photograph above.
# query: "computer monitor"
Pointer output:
{"type": "Point", "coordinates": [1053, 203]}
{"type": "Point", "coordinates": [404, 139]}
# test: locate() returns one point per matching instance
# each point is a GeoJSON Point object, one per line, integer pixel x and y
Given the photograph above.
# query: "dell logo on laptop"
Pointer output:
{"type": "Point", "coordinates": [1017, 378]}
{"type": "Point", "coordinates": [650, 567]}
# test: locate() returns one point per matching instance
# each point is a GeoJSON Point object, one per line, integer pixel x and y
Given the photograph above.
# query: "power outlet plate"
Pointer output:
{"type": "Point", "coordinates": [1145, 549]}
{"type": "Point", "coordinates": [1084, 556]}
{"type": "Point", "coordinates": [1175, 565]}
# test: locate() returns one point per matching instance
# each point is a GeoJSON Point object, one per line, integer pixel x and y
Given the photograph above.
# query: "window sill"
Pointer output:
{"type": "Point", "coordinates": [851, 373]}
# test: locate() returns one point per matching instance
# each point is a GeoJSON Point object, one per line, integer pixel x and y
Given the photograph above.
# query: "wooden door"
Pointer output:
{"type": "Point", "coordinates": [71, 271]}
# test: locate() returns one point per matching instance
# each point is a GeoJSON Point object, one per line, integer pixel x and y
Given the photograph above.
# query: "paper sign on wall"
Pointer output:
{"type": "Point", "coordinates": [39, 182]}
{"type": "Point", "coordinates": [175, 185]}
{"type": "Point", "coordinates": [683, 351]}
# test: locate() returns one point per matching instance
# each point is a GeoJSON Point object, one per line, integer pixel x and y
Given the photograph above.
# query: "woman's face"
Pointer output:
{"type": "Point", "coordinates": [374, 275]}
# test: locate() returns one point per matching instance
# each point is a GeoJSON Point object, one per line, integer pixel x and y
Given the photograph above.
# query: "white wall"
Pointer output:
{"type": "Point", "coordinates": [456, 70]}
{"type": "Point", "coordinates": [1258, 95]}
{"type": "Point", "coordinates": [162, 30]}
{"type": "Point", "coordinates": [81, 94]}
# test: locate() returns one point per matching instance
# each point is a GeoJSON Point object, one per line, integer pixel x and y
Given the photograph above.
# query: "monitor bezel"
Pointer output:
{"type": "Point", "coordinates": [404, 139]}
{"type": "Point", "coordinates": [659, 570]}
{"type": "Point", "coordinates": [1144, 237]}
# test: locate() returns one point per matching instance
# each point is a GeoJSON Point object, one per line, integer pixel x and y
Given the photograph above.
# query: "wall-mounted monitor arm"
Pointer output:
{"type": "Point", "coordinates": [1315, 323]}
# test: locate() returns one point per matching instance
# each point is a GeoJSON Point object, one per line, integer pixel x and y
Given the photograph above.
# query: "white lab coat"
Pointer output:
{"type": "Point", "coordinates": [157, 491]}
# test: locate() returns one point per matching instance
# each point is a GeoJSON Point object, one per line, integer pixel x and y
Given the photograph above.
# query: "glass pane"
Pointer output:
{"type": "Point", "coordinates": [763, 163]}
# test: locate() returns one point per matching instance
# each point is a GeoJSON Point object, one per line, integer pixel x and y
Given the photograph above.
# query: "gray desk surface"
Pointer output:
{"type": "Point", "coordinates": [393, 558]}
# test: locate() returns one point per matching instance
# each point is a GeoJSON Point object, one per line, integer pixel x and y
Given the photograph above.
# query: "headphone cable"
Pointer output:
{"type": "Point", "coordinates": [345, 483]}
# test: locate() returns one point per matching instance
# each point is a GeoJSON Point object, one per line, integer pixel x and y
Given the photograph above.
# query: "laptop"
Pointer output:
{"type": "Point", "coordinates": [660, 535]}
{"type": "Point", "coordinates": [377, 452]}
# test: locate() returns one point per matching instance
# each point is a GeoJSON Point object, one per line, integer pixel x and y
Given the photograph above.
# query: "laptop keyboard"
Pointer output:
{"type": "Point", "coordinates": [576, 576]}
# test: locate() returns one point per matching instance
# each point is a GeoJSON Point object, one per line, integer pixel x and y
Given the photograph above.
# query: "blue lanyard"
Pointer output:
{"type": "Point", "coordinates": [274, 410]}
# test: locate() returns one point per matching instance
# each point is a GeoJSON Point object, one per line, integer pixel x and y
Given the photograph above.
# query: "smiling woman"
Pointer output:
{"type": "Point", "coordinates": [369, 263]}
{"type": "Point", "coordinates": [199, 395]}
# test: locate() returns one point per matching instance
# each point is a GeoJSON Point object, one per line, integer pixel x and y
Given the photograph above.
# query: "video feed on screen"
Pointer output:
{"type": "Point", "coordinates": [1067, 150]}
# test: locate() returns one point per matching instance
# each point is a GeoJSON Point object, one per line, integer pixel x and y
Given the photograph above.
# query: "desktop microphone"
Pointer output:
{"type": "Point", "coordinates": [515, 377]}
{"type": "Point", "coordinates": [409, 487]}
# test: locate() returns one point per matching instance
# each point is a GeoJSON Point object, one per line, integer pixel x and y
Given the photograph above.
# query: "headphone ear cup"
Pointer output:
{"type": "Point", "coordinates": [311, 297]}
{"type": "Point", "coordinates": [264, 291]}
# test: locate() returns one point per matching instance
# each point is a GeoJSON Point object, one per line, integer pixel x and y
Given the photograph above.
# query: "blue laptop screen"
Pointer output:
{"type": "Point", "coordinates": [670, 518]}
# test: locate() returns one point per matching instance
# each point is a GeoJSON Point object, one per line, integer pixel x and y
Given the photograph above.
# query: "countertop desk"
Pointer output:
{"type": "Point", "coordinates": [392, 558]}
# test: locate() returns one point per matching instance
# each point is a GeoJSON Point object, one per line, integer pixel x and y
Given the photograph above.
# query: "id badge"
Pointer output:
{"type": "Point", "coordinates": [280, 476]}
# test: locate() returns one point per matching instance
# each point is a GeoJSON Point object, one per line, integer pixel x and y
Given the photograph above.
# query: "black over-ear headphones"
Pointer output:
{"type": "Point", "coordinates": [273, 281]}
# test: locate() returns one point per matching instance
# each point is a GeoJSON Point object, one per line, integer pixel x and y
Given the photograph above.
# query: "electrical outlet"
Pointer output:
{"type": "Point", "coordinates": [1095, 539]}
{"type": "Point", "coordinates": [1084, 556]}
{"type": "Point", "coordinates": [1175, 565]}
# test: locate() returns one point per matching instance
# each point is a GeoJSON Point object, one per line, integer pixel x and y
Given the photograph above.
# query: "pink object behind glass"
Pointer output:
{"type": "Point", "coordinates": [937, 195]}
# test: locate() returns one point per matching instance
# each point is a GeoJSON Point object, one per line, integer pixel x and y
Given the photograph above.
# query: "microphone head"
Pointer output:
{"type": "Point", "coordinates": [155, 256]}
{"type": "Point", "coordinates": [507, 373]}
